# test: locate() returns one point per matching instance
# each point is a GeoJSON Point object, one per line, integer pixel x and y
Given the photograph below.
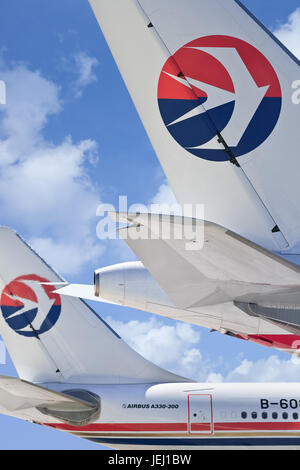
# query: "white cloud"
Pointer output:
{"type": "Point", "coordinates": [172, 347]}
{"type": "Point", "coordinates": [148, 335]}
{"type": "Point", "coordinates": [85, 66]}
{"type": "Point", "coordinates": [156, 341]}
{"type": "Point", "coordinates": [31, 100]}
{"type": "Point", "coordinates": [176, 348]}
{"type": "Point", "coordinates": [45, 188]}
{"type": "Point", "coordinates": [165, 202]}
{"type": "Point", "coordinates": [214, 378]}
{"type": "Point", "coordinates": [271, 369]}
{"type": "Point", "coordinates": [66, 257]}
{"type": "Point", "coordinates": [289, 33]}
{"type": "Point", "coordinates": [50, 180]}
{"type": "Point", "coordinates": [164, 195]}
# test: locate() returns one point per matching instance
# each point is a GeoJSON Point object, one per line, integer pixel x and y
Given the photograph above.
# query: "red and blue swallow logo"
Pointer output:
{"type": "Point", "coordinates": [219, 84]}
{"type": "Point", "coordinates": [29, 306]}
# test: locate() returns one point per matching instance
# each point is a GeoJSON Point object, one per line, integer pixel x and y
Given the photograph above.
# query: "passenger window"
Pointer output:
{"type": "Point", "coordinates": [295, 416]}
{"type": "Point", "coordinates": [244, 415]}
{"type": "Point", "coordinates": [264, 415]}
{"type": "Point", "coordinates": [254, 414]}
{"type": "Point", "coordinates": [285, 415]}
{"type": "Point", "coordinates": [274, 415]}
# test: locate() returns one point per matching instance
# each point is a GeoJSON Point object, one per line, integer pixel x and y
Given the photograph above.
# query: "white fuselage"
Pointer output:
{"type": "Point", "coordinates": [193, 416]}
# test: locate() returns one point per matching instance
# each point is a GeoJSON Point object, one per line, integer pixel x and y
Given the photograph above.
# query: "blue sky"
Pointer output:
{"type": "Point", "coordinates": [69, 116]}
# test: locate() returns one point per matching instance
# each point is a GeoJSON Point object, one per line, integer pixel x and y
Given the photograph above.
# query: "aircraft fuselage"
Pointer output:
{"type": "Point", "coordinates": [194, 416]}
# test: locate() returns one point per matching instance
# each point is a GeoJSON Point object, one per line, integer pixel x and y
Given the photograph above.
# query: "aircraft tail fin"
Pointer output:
{"type": "Point", "coordinates": [53, 338]}
{"type": "Point", "coordinates": [214, 89]}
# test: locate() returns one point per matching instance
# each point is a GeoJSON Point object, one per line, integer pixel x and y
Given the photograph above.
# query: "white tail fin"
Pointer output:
{"type": "Point", "coordinates": [59, 339]}
{"type": "Point", "coordinates": [214, 90]}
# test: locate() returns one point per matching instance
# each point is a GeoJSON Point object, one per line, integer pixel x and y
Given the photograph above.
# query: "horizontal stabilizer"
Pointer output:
{"type": "Point", "coordinates": [82, 291]}
{"type": "Point", "coordinates": [31, 402]}
{"type": "Point", "coordinates": [224, 267]}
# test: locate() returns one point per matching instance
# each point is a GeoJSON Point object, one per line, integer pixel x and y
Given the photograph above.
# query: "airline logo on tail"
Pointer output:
{"type": "Point", "coordinates": [219, 84]}
{"type": "Point", "coordinates": [30, 307]}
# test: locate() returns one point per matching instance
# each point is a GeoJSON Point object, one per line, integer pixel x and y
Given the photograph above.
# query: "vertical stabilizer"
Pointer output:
{"type": "Point", "coordinates": [214, 90]}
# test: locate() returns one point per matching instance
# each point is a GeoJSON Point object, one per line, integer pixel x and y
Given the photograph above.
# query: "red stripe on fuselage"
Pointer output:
{"type": "Point", "coordinates": [180, 427]}
{"type": "Point", "coordinates": [123, 427]}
